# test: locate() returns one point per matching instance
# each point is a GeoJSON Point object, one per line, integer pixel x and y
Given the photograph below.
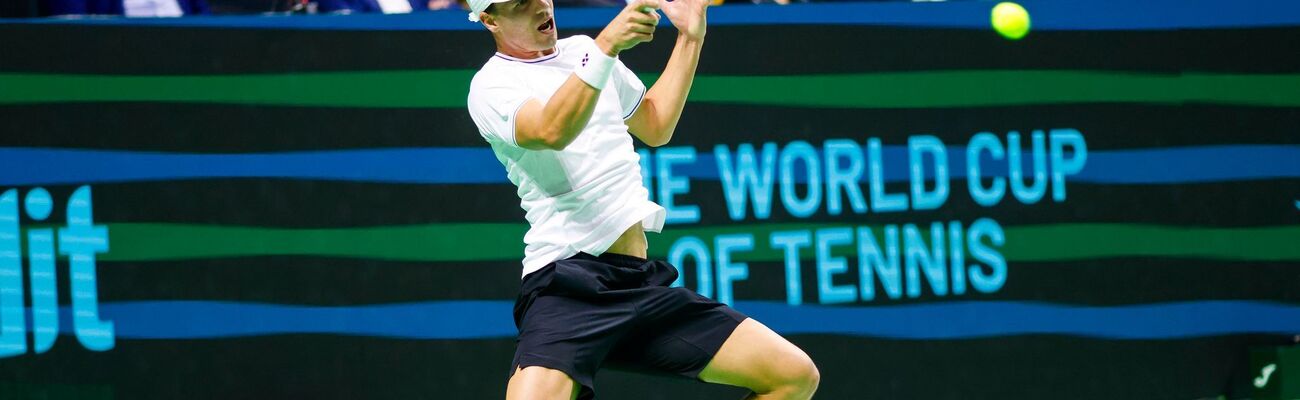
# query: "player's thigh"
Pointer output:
{"type": "Point", "coordinates": [542, 384]}
{"type": "Point", "coordinates": [757, 358]}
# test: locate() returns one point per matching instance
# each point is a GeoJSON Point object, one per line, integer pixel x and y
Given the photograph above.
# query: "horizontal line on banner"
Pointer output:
{"type": "Point", "coordinates": [448, 88]}
{"type": "Point", "coordinates": [478, 165]}
{"type": "Point", "coordinates": [504, 241]}
{"type": "Point", "coordinates": [492, 319]}
{"type": "Point", "coordinates": [1046, 16]}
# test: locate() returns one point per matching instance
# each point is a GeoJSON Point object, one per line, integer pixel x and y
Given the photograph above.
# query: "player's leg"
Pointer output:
{"type": "Point", "coordinates": [756, 358]}
{"type": "Point", "coordinates": [542, 384]}
{"type": "Point", "coordinates": [566, 329]}
{"type": "Point", "coordinates": [694, 336]}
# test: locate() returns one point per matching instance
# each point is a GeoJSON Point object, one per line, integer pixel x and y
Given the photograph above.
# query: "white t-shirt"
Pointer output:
{"type": "Point", "coordinates": [579, 199]}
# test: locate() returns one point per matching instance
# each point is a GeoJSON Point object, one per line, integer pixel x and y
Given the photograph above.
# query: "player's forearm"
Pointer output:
{"type": "Point", "coordinates": [563, 116]}
{"type": "Point", "coordinates": [668, 95]}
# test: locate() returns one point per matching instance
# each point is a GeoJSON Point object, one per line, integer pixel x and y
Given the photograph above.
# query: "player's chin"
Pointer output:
{"type": "Point", "coordinates": [547, 40]}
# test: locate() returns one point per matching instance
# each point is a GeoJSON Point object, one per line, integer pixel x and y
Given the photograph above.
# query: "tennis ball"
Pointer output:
{"type": "Point", "coordinates": [1010, 20]}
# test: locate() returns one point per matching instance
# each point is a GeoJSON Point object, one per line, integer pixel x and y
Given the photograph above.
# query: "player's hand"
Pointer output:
{"type": "Point", "coordinates": [688, 16]}
{"type": "Point", "coordinates": [634, 25]}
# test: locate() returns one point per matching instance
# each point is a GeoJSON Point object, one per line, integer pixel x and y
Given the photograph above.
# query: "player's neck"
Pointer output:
{"type": "Point", "coordinates": [524, 54]}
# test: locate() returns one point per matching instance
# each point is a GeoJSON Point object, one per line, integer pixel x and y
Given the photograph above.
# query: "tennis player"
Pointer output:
{"type": "Point", "coordinates": [558, 114]}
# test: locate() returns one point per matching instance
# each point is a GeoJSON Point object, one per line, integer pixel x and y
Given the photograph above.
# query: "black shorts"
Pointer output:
{"type": "Point", "coordinates": [583, 313]}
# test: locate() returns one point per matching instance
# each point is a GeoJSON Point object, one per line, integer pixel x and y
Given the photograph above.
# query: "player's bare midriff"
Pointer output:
{"type": "Point", "coordinates": [630, 243]}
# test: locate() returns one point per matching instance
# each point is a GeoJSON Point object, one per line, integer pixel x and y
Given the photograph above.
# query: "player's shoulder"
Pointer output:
{"type": "Point", "coordinates": [573, 41]}
{"type": "Point", "coordinates": [494, 71]}
{"type": "Point", "coordinates": [493, 66]}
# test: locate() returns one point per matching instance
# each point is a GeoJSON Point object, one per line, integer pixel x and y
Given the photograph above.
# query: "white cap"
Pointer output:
{"type": "Point", "coordinates": [477, 6]}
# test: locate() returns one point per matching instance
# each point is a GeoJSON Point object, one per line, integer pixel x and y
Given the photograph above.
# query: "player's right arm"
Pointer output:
{"type": "Point", "coordinates": [556, 123]}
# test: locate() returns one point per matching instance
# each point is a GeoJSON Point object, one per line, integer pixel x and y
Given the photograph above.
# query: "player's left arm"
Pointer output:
{"type": "Point", "coordinates": [656, 118]}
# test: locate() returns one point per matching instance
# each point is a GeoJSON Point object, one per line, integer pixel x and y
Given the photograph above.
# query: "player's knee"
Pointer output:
{"type": "Point", "coordinates": [814, 378]}
{"type": "Point", "coordinates": [798, 375]}
{"type": "Point", "coordinates": [805, 375]}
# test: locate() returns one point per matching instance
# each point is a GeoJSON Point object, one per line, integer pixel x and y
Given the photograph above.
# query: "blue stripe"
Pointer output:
{"type": "Point", "coordinates": [966, 320]}
{"type": "Point", "coordinates": [1046, 15]}
{"type": "Point", "coordinates": [1192, 164]}
{"type": "Point", "coordinates": [21, 166]}
{"type": "Point", "coordinates": [492, 319]}
{"type": "Point", "coordinates": [474, 165]}
{"type": "Point", "coordinates": [1138, 166]}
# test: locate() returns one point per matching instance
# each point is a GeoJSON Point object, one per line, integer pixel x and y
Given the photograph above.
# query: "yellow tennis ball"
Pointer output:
{"type": "Point", "coordinates": [1010, 20]}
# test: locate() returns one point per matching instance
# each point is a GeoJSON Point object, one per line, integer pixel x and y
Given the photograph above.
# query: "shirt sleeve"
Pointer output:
{"type": "Point", "coordinates": [630, 88]}
{"type": "Point", "coordinates": [493, 102]}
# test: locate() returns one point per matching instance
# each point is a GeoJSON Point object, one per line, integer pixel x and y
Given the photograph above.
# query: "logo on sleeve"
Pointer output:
{"type": "Point", "coordinates": [584, 59]}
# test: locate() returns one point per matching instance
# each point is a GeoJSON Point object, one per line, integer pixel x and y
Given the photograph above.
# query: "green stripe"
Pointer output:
{"type": "Point", "coordinates": [478, 242]}
{"type": "Point", "coordinates": [448, 88]}
{"type": "Point", "coordinates": [998, 88]}
{"type": "Point", "coordinates": [440, 242]}
{"type": "Point", "coordinates": [397, 89]}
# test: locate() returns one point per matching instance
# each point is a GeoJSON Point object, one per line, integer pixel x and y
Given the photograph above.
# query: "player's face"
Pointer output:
{"type": "Point", "coordinates": [525, 25]}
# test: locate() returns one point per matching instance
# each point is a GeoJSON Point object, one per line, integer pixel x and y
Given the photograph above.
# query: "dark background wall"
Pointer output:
{"type": "Point", "coordinates": [300, 207]}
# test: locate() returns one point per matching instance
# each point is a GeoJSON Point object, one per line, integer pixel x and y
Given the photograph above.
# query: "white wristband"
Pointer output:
{"type": "Point", "coordinates": [594, 67]}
